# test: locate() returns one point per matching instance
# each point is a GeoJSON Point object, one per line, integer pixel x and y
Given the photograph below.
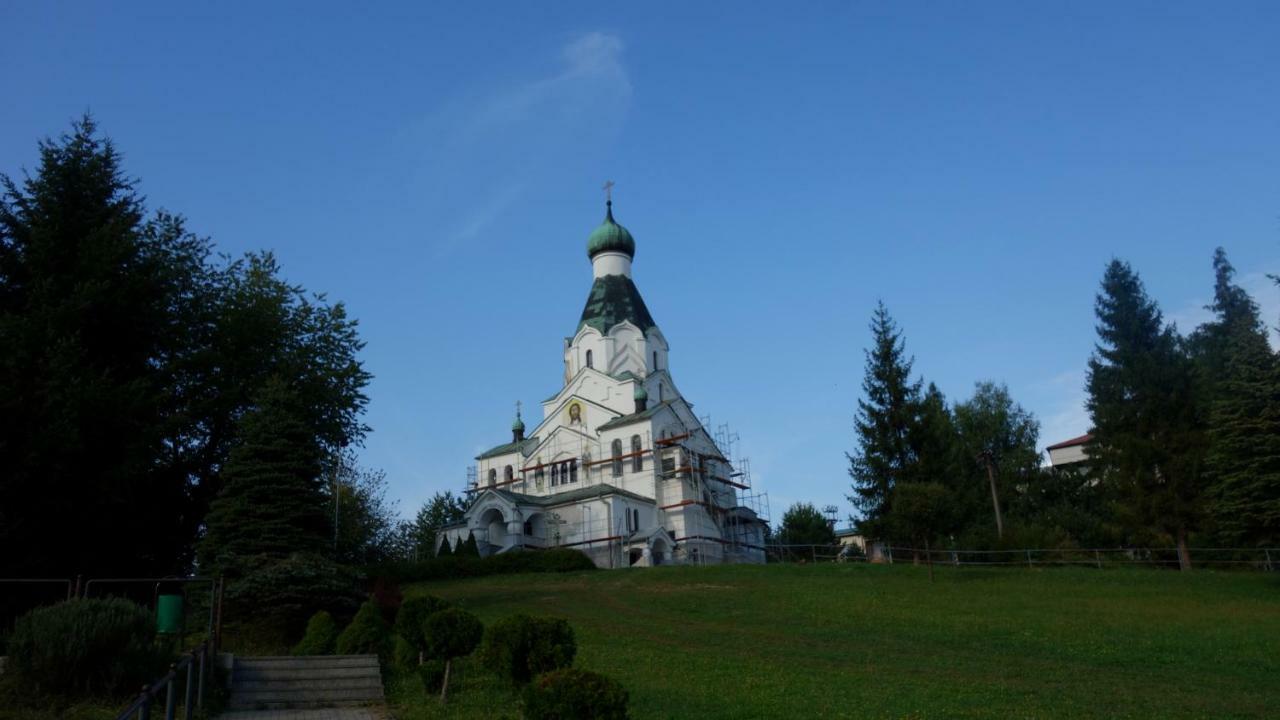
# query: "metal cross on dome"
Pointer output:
{"type": "Point", "coordinates": [608, 190]}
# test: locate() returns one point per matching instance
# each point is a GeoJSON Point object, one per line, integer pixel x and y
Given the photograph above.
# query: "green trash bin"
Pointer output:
{"type": "Point", "coordinates": [169, 614]}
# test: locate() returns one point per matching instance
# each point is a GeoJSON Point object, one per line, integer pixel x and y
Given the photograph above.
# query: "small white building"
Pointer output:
{"type": "Point", "coordinates": [619, 467]}
{"type": "Point", "coordinates": [1069, 452]}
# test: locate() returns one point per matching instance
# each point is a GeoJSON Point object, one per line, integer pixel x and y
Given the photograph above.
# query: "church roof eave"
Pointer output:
{"type": "Point", "coordinates": [508, 448]}
{"type": "Point", "coordinates": [615, 299]}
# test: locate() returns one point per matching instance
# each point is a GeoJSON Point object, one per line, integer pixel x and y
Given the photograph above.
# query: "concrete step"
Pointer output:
{"type": "Point", "coordinates": [364, 682]}
{"type": "Point", "coordinates": [305, 682]}
{"type": "Point", "coordinates": [302, 673]}
{"type": "Point", "coordinates": [307, 661]}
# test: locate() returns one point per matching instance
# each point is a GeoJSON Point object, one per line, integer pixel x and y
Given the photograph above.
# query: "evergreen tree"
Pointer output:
{"type": "Point", "coordinates": [469, 548]}
{"type": "Point", "coordinates": [1242, 466]}
{"type": "Point", "coordinates": [885, 422]}
{"type": "Point", "coordinates": [442, 509]}
{"type": "Point", "coordinates": [1148, 438]}
{"type": "Point", "coordinates": [88, 292]}
{"type": "Point", "coordinates": [445, 549]}
{"type": "Point", "coordinates": [272, 501]}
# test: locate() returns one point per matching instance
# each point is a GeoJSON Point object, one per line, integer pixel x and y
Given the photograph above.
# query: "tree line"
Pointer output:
{"type": "Point", "coordinates": [1185, 446]}
{"type": "Point", "coordinates": [165, 408]}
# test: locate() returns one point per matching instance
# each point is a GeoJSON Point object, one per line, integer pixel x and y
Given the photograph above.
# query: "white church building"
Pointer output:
{"type": "Point", "coordinates": [619, 467]}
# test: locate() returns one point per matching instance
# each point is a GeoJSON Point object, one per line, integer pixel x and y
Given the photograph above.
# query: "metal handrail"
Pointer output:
{"type": "Point", "coordinates": [195, 661]}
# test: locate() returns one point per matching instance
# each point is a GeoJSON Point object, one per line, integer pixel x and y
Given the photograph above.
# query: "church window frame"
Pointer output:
{"type": "Point", "coordinates": [573, 470]}
{"type": "Point", "coordinates": [493, 477]}
{"type": "Point", "coordinates": [555, 474]}
{"type": "Point", "coordinates": [590, 360]}
{"type": "Point", "coordinates": [655, 361]}
{"type": "Point", "coordinates": [508, 475]}
{"type": "Point", "coordinates": [617, 457]}
{"type": "Point", "coordinates": [637, 454]}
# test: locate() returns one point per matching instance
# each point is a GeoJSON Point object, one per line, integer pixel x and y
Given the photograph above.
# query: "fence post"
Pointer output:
{"type": "Point", "coordinates": [204, 650]}
{"type": "Point", "coordinates": [1097, 557]}
{"type": "Point", "coordinates": [1028, 557]}
{"type": "Point", "coordinates": [169, 699]}
{"type": "Point", "coordinates": [189, 711]}
{"type": "Point", "coordinates": [1268, 554]}
{"type": "Point", "coordinates": [144, 711]}
{"type": "Point", "coordinates": [813, 554]}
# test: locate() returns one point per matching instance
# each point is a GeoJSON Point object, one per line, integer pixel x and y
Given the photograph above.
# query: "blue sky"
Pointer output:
{"type": "Point", "coordinates": [974, 165]}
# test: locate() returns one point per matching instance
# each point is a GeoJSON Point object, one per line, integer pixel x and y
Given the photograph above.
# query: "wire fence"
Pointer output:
{"type": "Point", "coordinates": [1262, 559]}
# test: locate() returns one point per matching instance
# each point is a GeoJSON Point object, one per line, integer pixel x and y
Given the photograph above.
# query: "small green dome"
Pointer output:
{"type": "Point", "coordinates": [640, 393]}
{"type": "Point", "coordinates": [518, 424]}
{"type": "Point", "coordinates": [610, 237]}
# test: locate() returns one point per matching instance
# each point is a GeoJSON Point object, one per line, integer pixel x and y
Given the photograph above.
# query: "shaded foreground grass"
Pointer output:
{"type": "Point", "coordinates": [854, 641]}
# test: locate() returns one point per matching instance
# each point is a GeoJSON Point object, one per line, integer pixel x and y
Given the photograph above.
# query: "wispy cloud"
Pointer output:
{"type": "Point", "coordinates": [479, 155]}
{"type": "Point", "coordinates": [1261, 288]}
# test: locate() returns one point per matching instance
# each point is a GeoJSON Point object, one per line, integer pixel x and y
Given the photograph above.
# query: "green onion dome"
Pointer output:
{"type": "Point", "coordinates": [610, 237]}
{"type": "Point", "coordinates": [518, 424]}
{"type": "Point", "coordinates": [640, 393]}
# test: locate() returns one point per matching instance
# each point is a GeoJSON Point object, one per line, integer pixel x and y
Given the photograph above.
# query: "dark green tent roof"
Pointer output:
{"type": "Point", "coordinates": [613, 299]}
{"type": "Point", "coordinates": [525, 446]}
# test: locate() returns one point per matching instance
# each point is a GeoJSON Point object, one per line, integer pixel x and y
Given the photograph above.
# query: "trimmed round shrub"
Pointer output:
{"type": "Point", "coordinates": [519, 647]}
{"type": "Point", "coordinates": [413, 613]}
{"type": "Point", "coordinates": [85, 647]}
{"type": "Point", "coordinates": [320, 637]}
{"type": "Point", "coordinates": [572, 694]}
{"type": "Point", "coordinates": [367, 634]}
{"type": "Point", "coordinates": [451, 633]}
{"type": "Point", "coordinates": [432, 674]}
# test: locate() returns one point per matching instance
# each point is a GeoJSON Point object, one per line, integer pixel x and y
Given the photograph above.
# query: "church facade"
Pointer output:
{"type": "Point", "coordinates": [619, 467]}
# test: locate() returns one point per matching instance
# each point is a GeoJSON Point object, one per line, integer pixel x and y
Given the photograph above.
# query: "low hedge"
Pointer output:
{"type": "Point", "coordinates": [516, 561]}
{"type": "Point", "coordinates": [572, 694]}
{"type": "Point", "coordinates": [367, 634]}
{"type": "Point", "coordinates": [84, 647]}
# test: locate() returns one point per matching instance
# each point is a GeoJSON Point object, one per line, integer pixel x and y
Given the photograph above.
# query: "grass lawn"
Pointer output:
{"type": "Point", "coordinates": [867, 641]}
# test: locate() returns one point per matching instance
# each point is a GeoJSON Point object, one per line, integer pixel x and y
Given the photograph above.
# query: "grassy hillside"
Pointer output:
{"type": "Point", "coordinates": [854, 641]}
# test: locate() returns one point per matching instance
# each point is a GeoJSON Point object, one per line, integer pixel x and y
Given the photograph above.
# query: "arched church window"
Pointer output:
{"type": "Point", "coordinates": [655, 360]}
{"type": "Point", "coordinates": [555, 475]}
{"type": "Point", "coordinates": [637, 459]}
{"type": "Point", "coordinates": [573, 470]}
{"type": "Point", "coordinates": [508, 475]}
{"type": "Point", "coordinates": [659, 392]}
{"type": "Point", "coordinates": [617, 458]}
{"type": "Point", "coordinates": [493, 477]}
{"type": "Point", "coordinates": [589, 363]}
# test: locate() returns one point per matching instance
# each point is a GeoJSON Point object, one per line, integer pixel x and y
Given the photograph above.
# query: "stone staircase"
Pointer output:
{"type": "Point", "coordinates": [270, 683]}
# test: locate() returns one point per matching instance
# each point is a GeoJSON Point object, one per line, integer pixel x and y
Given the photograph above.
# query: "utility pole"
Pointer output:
{"type": "Point", "coordinates": [986, 457]}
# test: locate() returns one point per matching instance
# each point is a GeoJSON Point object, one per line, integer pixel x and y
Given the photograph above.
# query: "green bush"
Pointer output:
{"type": "Point", "coordinates": [276, 594]}
{"type": "Point", "coordinates": [519, 647]}
{"type": "Point", "coordinates": [448, 567]}
{"type": "Point", "coordinates": [320, 637]}
{"type": "Point", "coordinates": [431, 673]}
{"type": "Point", "coordinates": [367, 634]}
{"type": "Point", "coordinates": [413, 613]}
{"type": "Point", "coordinates": [451, 633]}
{"type": "Point", "coordinates": [85, 647]}
{"type": "Point", "coordinates": [572, 694]}
{"type": "Point", "coordinates": [404, 656]}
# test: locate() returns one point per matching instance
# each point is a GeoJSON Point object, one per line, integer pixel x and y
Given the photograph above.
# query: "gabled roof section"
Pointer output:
{"type": "Point", "coordinates": [634, 417]}
{"type": "Point", "coordinates": [525, 446]}
{"type": "Point", "coordinates": [613, 299]}
{"type": "Point", "coordinates": [1082, 440]}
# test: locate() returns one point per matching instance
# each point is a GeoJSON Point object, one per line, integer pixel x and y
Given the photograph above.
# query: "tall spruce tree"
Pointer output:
{"type": "Point", "coordinates": [88, 291]}
{"type": "Point", "coordinates": [886, 421]}
{"type": "Point", "coordinates": [272, 503]}
{"type": "Point", "coordinates": [1241, 377]}
{"type": "Point", "coordinates": [1148, 438]}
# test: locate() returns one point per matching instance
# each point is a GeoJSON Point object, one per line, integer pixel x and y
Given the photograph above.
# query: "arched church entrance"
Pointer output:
{"type": "Point", "coordinates": [494, 527]}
